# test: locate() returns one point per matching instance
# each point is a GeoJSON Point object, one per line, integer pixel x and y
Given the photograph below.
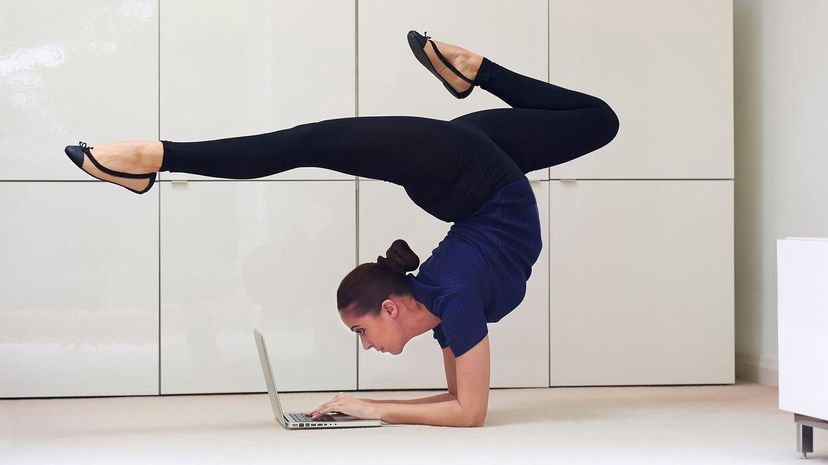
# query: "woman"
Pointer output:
{"type": "Point", "coordinates": [469, 171]}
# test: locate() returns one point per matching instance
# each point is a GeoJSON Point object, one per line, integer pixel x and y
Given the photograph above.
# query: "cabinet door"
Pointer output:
{"type": "Point", "coordinates": [255, 254]}
{"type": "Point", "coordinates": [232, 69]}
{"type": "Point", "coordinates": [519, 342]}
{"type": "Point", "coordinates": [802, 271]}
{"type": "Point", "coordinates": [386, 214]}
{"type": "Point", "coordinates": [641, 282]}
{"type": "Point", "coordinates": [79, 298]}
{"type": "Point", "coordinates": [393, 82]}
{"type": "Point", "coordinates": [666, 68]}
{"type": "Point", "coordinates": [74, 70]}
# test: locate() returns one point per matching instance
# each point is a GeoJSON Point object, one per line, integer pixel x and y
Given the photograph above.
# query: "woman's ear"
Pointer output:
{"type": "Point", "coordinates": [389, 306]}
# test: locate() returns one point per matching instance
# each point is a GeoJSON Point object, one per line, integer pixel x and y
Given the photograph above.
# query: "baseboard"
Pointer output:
{"type": "Point", "coordinates": [758, 370]}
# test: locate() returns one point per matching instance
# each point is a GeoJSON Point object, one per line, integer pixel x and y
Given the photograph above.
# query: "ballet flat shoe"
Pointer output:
{"type": "Point", "coordinates": [417, 42]}
{"type": "Point", "coordinates": [77, 152]}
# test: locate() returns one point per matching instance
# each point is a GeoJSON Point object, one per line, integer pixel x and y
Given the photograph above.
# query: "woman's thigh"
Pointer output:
{"type": "Point", "coordinates": [540, 138]}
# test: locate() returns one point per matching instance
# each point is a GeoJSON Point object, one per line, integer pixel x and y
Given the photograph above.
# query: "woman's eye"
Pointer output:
{"type": "Point", "coordinates": [361, 332]}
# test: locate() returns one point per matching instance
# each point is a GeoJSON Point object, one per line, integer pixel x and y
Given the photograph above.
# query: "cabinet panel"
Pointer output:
{"type": "Point", "coordinates": [666, 68]}
{"type": "Point", "coordinates": [244, 68]}
{"type": "Point", "coordinates": [519, 342]}
{"type": "Point", "coordinates": [255, 254]}
{"type": "Point", "coordinates": [81, 70]}
{"type": "Point", "coordinates": [641, 282]}
{"type": "Point", "coordinates": [79, 299]}
{"type": "Point", "coordinates": [802, 299]}
{"type": "Point", "coordinates": [393, 82]}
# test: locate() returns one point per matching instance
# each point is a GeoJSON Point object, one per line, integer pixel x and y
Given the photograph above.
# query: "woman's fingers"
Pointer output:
{"type": "Point", "coordinates": [326, 407]}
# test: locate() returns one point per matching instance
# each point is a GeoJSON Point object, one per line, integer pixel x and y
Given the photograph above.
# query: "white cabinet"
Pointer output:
{"type": "Point", "coordinates": [79, 299]}
{"type": "Point", "coordinates": [666, 68]}
{"type": "Point", "coordinates": [385, 214]}
{"type": "Point", "coordinates": [393, 82]}
{"type": "Point", "coordinates": [802, 267]}
{"type": "Point", "coordinates": [641, 282]}
{"type": "Point", "coordinates": [520, 341]}
{"type": "Point", "coordinates": [254, 67]}
{"type": "Point", "coordinates": [82, 70]}
{"type": "Point", "coordinates": [238, 255]}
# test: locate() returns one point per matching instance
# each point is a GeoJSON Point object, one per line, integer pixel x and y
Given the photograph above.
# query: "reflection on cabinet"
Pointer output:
{"type": "Point", "coordinates": [50, 68]}
{"type": "Point", "coordinates": [245, 68]}
{"type": "Point", "coordinates": [255, 254]}
{"type": "Point", "coordinates": [386, 214]}
{"type": "Point", "coordinates": [79, 300]}
{"type": "Point", "coordinates": [641, 282]}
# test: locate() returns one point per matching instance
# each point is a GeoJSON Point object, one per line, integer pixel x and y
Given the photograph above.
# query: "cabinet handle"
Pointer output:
{"type": "Point", "coordinates": [568, 179]}
{"type": "Point", "coordinates": [178, 179]}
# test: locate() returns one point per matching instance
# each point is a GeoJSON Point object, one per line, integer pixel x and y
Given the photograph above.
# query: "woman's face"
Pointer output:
{"type": "Point", "coordinates": [383, 333]}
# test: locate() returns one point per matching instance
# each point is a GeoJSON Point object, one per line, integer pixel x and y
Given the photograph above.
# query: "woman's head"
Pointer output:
{"type": "Point", "coordinates": [374, 297]}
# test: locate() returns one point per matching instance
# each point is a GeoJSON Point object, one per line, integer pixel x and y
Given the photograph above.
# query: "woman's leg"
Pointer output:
{"type": "Point", "coordinates": [398, 149]}
{"type": "Point", "coordinates": [547, 125]}
{"type": "Point", "coordinates": [430, 158]}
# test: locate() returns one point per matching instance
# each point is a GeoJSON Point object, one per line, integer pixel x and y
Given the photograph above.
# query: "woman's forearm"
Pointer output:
{"type": "Point", "coordinates": [424, 400]}
{"type": "Point", "coordinates": [446, 413]}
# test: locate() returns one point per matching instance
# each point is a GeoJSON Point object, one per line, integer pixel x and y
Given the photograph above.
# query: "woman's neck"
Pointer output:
{"type": "Point", "coordinates": [422, 319]}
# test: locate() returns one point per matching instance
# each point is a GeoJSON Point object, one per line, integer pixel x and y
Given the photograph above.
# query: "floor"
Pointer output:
{"type": "Point", "coordinates": [733, 424]}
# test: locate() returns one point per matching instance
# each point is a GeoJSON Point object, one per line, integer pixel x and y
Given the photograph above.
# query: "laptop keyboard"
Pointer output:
{"type": "Point", "coordinates": [299, 417]}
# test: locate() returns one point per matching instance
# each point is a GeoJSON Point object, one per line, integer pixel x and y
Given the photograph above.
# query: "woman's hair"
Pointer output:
{"type": "Point", "coordinates": [371, 283]}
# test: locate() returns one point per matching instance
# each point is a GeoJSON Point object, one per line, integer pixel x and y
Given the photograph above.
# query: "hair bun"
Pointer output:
{"type": "Point", "coordinates": [400, 257]}
{"type": "Point", "coordinates": [390, 264]}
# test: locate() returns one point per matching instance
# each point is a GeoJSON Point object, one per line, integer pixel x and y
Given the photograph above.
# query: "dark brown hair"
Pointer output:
{"type": "Point", "coordinates": [367, 285]}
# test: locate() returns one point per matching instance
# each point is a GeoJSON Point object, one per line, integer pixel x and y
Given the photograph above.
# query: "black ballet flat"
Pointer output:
{"type": "Point", "coordinates": [417, 42]}
{"type": "Point", "coordinates": [77, 152]}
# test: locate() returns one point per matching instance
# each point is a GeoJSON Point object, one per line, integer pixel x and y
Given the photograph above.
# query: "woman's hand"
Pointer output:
{"type": "Point", "coordinates": [348, 405]}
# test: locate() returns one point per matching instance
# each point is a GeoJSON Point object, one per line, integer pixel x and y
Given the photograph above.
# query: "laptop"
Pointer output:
{"type": "Point", "coordinates": [298, 420]}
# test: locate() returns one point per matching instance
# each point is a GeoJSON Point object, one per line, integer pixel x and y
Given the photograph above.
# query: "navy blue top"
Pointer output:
{"type": "Point", "coordinates": [478, 272]}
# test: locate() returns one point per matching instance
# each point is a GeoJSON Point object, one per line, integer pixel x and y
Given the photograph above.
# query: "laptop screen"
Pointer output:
{"type": "Point", "coordinates": [269, 379]}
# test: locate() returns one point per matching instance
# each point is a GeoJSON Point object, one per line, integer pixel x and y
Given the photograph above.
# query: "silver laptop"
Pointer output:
{"type": "Point", "coordinates": [297, 420]}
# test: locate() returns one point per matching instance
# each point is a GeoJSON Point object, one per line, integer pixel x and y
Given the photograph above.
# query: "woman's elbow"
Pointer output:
{"type": "Point", "coordinates": [475, 421]}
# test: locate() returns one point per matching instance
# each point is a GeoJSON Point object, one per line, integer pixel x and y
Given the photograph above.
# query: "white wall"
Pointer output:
{"type": "Point", "coordinates": [781, 118]}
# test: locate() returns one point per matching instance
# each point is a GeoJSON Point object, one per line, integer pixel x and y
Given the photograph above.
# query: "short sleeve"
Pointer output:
{"type": "Point", "coordinates": [463, 322]}
{"type": "Point", "coordinates": [441, 338]}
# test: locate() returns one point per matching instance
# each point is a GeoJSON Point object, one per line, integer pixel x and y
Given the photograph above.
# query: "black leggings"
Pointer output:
{"type": "Point", "coordinates": [448, 168]}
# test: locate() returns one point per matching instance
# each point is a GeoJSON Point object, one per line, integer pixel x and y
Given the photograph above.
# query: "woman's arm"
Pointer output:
{"type": "Point", "coordinates": [468, 408]}
{"type": "Point", "coordinates": [424, 400]}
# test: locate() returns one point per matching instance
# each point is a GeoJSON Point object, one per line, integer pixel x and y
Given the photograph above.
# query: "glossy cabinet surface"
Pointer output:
{"type": "Point", "coordinates": [641, 282]}
{"type": "Point", "coordinates": [110, 293]}
{"type": "Point", "coordinates": [255, 254]}
{"type": "Point", "coordinates": [69, 71]}
{"type": "Point", "coordinates": [666, 68]}
{"type": "Point", "coordinates": [253, 67]}
{"type": "Point", "coordinates": [79, 300]}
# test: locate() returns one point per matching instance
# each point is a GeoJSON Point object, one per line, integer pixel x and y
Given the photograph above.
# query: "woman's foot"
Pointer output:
{"type": "Point", "coordinates": [135, 157]}
{"type": "Point", "coordinates": [463, 60]}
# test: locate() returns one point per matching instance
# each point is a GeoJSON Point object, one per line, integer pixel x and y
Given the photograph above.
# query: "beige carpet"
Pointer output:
{"type": "Point", "coordinates": [739, 424]}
